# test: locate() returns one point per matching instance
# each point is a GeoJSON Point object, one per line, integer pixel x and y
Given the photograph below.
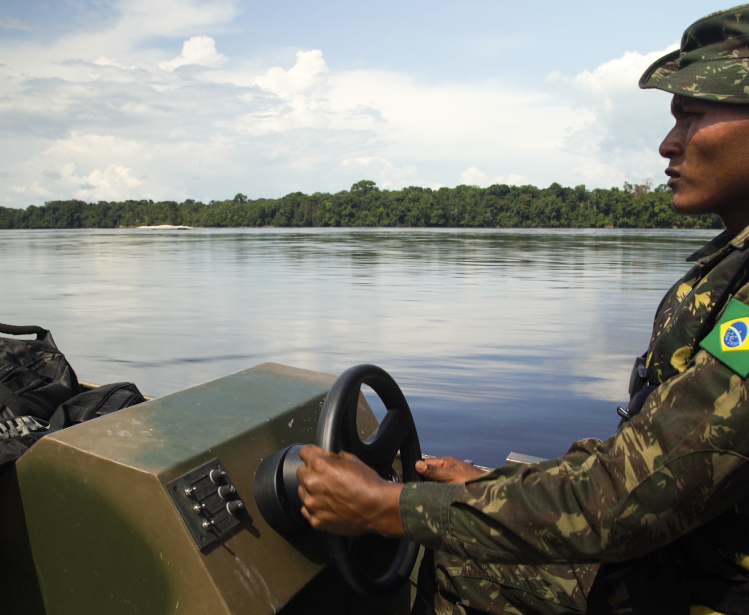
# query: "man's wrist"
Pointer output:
{"type": "Point", "coordinates": [388, 520]}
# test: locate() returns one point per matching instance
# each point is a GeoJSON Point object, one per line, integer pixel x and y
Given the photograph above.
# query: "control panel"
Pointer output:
{"type": "Point", "coordinates": [208, 502]}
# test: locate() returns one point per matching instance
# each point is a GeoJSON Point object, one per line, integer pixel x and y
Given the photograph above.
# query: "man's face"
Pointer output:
{"type": "Point", "coordinates": [708, 153]}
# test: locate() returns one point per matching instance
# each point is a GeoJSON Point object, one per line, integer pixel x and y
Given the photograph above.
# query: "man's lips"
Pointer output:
{"type": "Point", "coordinates": [673, 174]}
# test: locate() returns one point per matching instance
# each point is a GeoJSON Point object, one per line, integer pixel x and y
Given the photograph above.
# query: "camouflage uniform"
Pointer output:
{"type": "Point", "coordinates": [658, 514]}
{"type": "Point", "coordinates": [668, 494]}
{"type": "Point", "coordinates": [712, 62]}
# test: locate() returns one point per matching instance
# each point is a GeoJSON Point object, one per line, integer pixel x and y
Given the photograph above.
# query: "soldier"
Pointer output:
{"type": "Point", "coordinates": [654, 519]}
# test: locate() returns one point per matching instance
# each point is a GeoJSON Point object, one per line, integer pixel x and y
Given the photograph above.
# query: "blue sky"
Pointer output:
{"type": "Point", "coordinates": [176, 99]}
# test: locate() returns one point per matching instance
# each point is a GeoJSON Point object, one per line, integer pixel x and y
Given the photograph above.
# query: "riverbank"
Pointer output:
{"type": "Point", "coordinates": [366, 205]}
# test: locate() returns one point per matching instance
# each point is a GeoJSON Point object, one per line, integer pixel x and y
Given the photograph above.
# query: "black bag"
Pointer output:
{"type": "Point", "coordinates": [97, 402]}
{"type": "Point", "coordinates": [19, 433]}
{"type": "Point", "coordinates": [35, 377]}
{"type": "Point", "coordinates": [40, 394]}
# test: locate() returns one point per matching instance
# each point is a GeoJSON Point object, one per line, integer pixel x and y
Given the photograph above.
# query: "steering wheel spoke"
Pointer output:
{"type": "Point", "coordinates": [381, 448]}
{"type": "Point", "coordinates": [350, 441]}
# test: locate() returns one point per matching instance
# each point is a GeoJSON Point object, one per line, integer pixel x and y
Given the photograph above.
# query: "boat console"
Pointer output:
{"type": "Point", "coordinates": [152, 509]}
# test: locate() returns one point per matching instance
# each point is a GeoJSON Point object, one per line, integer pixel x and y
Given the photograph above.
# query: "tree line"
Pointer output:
{"type": "Point", "coordinates": [365, 204]}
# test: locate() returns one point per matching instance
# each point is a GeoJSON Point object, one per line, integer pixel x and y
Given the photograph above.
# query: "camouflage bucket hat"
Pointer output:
{"type": "Point", "coordinates": [712, 63]}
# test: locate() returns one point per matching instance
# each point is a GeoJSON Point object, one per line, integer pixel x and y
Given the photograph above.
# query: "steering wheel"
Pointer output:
{"type": "Point", "coordinates": [337, 431]}
{"type": "Point", "coordinates": [276, 486]}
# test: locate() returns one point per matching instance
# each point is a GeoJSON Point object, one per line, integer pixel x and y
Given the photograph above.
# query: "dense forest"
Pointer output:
{"type": "Point", "coordinates": [633, 206]}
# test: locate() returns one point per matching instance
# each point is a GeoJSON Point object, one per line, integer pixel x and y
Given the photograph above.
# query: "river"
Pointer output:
{"type": "Point", "coordinates": [501, 339]}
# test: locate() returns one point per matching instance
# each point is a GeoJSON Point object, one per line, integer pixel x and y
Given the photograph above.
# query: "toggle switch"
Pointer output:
{"type": "Point", "coordinates": [227, 492]}
{"type": "Point", "coordinates": [217, 476]}
{"type": "Point", "coordinates": [234, 508]}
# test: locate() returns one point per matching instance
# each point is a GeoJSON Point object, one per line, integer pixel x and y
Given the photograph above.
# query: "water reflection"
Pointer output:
{"type": "Point", "coordinates": [501, 339]}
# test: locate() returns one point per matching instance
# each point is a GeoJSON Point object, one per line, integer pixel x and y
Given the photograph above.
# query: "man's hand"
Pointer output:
{"type": "Point", "coordinates": [447, 470]}
{"type": "Point", "coordinates": [343, 496]}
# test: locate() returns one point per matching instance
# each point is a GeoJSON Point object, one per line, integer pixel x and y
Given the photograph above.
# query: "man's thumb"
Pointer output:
{"type": "Point", "coordinates": [428, 471]}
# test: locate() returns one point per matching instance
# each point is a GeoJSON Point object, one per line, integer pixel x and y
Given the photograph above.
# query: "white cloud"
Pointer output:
{"type": "Point", "coordinates": [200, 50]}
{"type": "Point", "coordinates": [386, 174]}
{"type": "Point", "coordinates": [473, 176]}
{"type": "Point", "coordinates": [33, 190]}
{"type": "Point", "coordinates": [515, 179]}
{"type": "Point", "coordinates": [114, 183]}
{"type": "Point", "coordinates": [623, 125]}
{"type": "Point", "coordinates": [307, 75]}
{"type": "Point", "coordinates": [143, 19]}
{"type": "Point", "coordinates": [107, 167]}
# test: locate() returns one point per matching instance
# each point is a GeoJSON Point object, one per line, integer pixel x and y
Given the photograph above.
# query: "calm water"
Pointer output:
{"type": "Point", "coordinates": [501, 339]}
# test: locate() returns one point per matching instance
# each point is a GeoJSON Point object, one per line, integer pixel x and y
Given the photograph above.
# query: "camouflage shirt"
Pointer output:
{"type": "Point", "coordinates": [676, 474]}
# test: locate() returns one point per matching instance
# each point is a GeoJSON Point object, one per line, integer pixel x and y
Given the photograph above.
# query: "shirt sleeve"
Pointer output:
{"type": "Point", "coordinates": [678, 464]}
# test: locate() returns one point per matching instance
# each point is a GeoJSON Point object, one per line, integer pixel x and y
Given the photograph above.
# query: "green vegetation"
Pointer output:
{"type": "Point", "coordinates": [634, 206]}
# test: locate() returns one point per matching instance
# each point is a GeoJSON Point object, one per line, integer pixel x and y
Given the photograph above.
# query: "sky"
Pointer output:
{"type": "Point", "coordinates": [204, 99]}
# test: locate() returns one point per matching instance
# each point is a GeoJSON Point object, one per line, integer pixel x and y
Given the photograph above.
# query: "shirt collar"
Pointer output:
{"type": "Point", "coordinates": [721, 243]}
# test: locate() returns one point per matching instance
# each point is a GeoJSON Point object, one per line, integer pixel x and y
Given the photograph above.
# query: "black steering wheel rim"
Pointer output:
{"type": "Point", "coordinates": [337, 431]}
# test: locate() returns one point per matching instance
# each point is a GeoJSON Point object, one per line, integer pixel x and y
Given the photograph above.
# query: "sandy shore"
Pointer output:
{"type": "Point", "coordinates": [166, 227]}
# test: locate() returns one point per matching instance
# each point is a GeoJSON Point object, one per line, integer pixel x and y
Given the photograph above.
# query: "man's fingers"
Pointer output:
{"type": "Point", "coordinates": [447, 470]}
{"type": "Point", "coordinates": [428, 471]}
{"type": "Point", "coordinates": [439, 462]}
{"type": "Point", "coordinates": [313, 521]}
{"type": "Point", "coordinates": [427, 466]}
{"type": "Point", "coordinates": [347, 455]}
{"type": "Point", "coordinates": [310, 451]}
{"type": "Point", "coordinates": [302, 475]}
{"type": "Point", "coordinates": [302, 492]}
{"type": "Point", "coordinates": [307, 452]}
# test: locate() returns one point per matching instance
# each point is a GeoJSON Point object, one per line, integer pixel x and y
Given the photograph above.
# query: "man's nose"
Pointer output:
{"type": "Point", "coordinates": [673, 145]}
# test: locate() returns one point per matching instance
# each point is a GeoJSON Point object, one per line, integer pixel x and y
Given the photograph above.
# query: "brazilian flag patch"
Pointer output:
{"type": "Point", "coordinates": [729, 340]}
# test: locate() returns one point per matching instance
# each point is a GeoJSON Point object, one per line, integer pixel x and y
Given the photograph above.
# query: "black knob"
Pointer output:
{"type": "Point", "coordinates": [227, 492]}
{"type": "Point", "coordinates": [234, 508]}
{"type": "Point", "coordinates": [217, 476]}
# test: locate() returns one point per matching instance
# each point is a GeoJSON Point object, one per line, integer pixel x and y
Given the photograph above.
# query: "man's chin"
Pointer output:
{"type": "Point", "coordinates": [683, 206]}
{"type": "Point", "coordinates": [678, 206]}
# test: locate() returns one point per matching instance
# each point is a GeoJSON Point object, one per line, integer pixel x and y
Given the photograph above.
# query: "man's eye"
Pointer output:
{"type": "Point", "coordinates": [687, 116]}
{"type": "Point", "coordinates": [692, 111]}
